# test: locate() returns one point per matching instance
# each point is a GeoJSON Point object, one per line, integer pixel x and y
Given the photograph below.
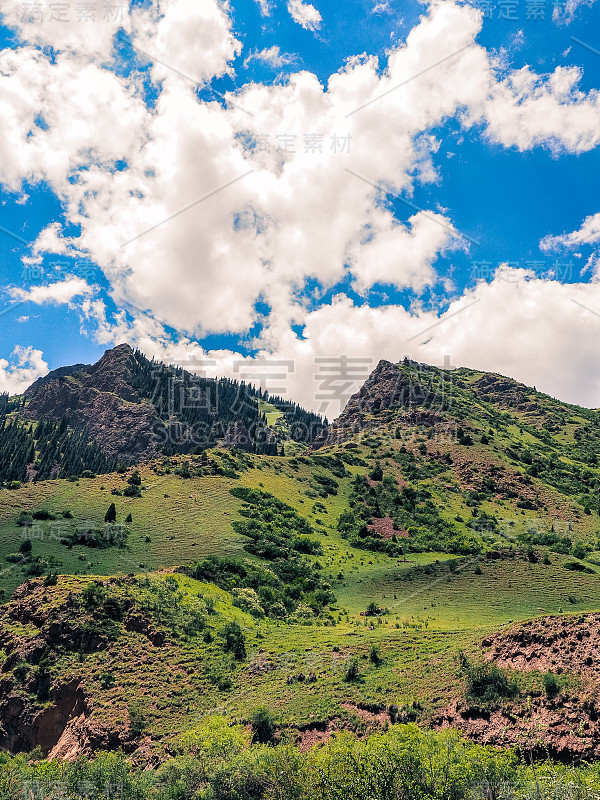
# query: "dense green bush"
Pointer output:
{"type": "Point", "coordinates": [263, 725]}
{"type": "Point", "coordinates": [486, 682]}
{"type": "Point", "coordinates": [217, 762]}
{"type": "Point", "coordinates": [234, 641]}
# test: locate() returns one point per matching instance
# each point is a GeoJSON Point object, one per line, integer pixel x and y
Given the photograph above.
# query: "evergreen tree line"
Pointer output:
{"type": "Point", "coordinates": [10, 404]}
{"type": "Point", "coordinates": [47, 450]}
{"type": "Point", "coordinates": [304, 425]}
{"type": "Point", "coordinates": [206, 407]}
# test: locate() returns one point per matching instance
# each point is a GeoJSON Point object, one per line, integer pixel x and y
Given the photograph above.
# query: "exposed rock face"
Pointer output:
{"type": "Point", "coordinates": [64, 726]}
{"type": "Point", "coordinates": [238, 436]}
{"type": "Point", "coordinates": [503, 392]}
{"type": "Point", "coordinates": [567, 725]}
{"type": "Point", "coordinates": [387, 389]}
{"type": "Point", "coordinates": [113, 373]}
{"type": "Point", "coordinates": [101, 399]}
{"type": "Point", "coordinates": [25, 728]}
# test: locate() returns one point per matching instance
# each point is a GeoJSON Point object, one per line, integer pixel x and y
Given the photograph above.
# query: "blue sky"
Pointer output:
{"type": "Point", "coordinates": [503, 198]}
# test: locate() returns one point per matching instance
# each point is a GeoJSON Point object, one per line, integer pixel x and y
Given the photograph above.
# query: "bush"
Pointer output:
{"type": "Point", "coordinates": [135, 479]}
{"type": "Point", "coordinates": [375, 655]}
{"type": "Point", "coordinates": [107, 680]}
{"type": "Point", "coordinates": [263, 725]}
{"type": "Point", "coordinates": [234, 640]}
{"type": "Point", "coordinates": [486, 682]}
{"type": "Point", "coordinates": [21, 671]}
{"type": "Point", "coordinates": [247, 600]}
{"type": "Point", "coordinates": [576, 566]}
{"type": "Point", "coordinates": [376, 473]}
{"type": "Point", "coordinates": [14, 485]}
{"type": "Point", "coordinates": [372, 610]}
{"type": "Point", "coordinates": [25, 546]}
{"type": "Point", "coordinates": [137, 718]}
{"type": "Point", "coordinates": [551, 684]}
{"type": "Point", "coordinates": [111, 514]}
{"type": "Point", "coordinates": [352, 671]}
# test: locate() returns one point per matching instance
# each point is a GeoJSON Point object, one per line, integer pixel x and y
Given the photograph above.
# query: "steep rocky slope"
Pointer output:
{"type": "Point", "coordinates": [564, 720]}
{"type": "Point", "coordinates": [101, 399]}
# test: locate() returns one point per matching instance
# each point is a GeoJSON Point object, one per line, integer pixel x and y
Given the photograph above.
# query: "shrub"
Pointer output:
{"type": "Point", "coordinates": [21, 671]}
{"type": "Point", "coordinates": [486, 682]}
{"type": "Point", "coordinates": [579, 551]}
{"type": "Point", "coordinates": [247, 600]}
{"type": "Point", "coordinates": [372, 610]}
{"type": "Point", "coordinates": [111, 514]}
{"type": "Point", "coordinates": [376, 473]}
{"type": "Point", "coordinates": [135, 479]}
{"type": "Point", "coordinates": [352, 671]}
{"type": "Point", "coordinates": [234, 640]}
{"type": "Point", "coordinates": [375, 655]}
{"type": "Point", "coordinates": [14, 485]}
{"type": "Point", "coordinates": [263, 725]}
{"type": "Point", "coordinates": [137, 718]}
{"type": "Point", "coordinates": [25, 546]}
{"type": "Point", "coordinates": [551, 684]}
{"type": "Point", "coordinates": [107, 679]}
{"type": "Point", "coordinates": [576, 566]}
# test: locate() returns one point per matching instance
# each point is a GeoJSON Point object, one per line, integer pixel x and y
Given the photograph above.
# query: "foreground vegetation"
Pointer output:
{"type": "Point", "coordinates": [221, 762]}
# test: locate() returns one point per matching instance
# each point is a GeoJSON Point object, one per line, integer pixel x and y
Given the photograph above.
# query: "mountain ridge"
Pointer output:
{"type": "Point", "coordinates": [134, 409]}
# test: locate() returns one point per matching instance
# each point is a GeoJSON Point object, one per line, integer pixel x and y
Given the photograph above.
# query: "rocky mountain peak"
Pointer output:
{"type": "Point", "coordinates": [103, 401]}
{"type": "Point", "coordinates": [389, 388]}
{"type": "Point", "coordinates": [114, 373]}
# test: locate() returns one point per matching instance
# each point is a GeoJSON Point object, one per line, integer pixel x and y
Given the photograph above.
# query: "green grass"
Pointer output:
{"type": "Point", "coordinates": [273, 414]}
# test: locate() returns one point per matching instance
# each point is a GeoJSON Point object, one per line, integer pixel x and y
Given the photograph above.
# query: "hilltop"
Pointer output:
{"type": "Point", "coordinates": [126, 409]}
{"type": "Point", "coordinates": [381, 574]}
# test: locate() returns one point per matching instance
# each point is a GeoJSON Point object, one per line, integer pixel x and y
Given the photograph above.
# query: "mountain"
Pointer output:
{"type": "Point", "coordinates": [126, 409]}
{"type": "Point", "coordinates": [100, 399]}
{"type": "Point", "coordinates": [431, 557]}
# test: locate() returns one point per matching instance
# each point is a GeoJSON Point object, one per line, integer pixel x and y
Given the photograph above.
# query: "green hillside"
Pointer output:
{"type": "Point", "coordinates": [361, 576]}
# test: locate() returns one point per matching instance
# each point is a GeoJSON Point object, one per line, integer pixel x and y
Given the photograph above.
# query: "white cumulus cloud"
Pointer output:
{"type": "Point", "coordinates": [589, 233]}
{"type": "Point", "coordinates": [23, 367]}
{"type": "Point", "coordinates": [219, 209]}
{"type": "Point", "coordinates": [58, 293]}
{"type": "Point", "coordinates": [305, 14]}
